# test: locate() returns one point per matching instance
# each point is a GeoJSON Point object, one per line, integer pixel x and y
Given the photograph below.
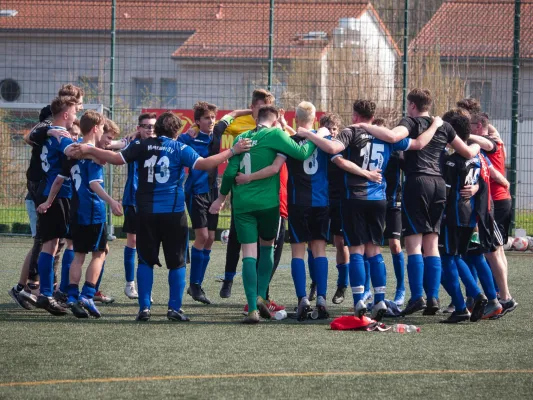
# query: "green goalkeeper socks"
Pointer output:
{"type": "Point", "coordinates": [249, 280]}
{"type": "Point", "coordinates": [264, 269]}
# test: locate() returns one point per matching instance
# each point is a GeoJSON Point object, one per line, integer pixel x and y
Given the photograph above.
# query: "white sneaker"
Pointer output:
{"type": "Point", "coordinates": [130, 291]}
{"type": "Point", "coordinates": [360, 309]}
{"type": "Point", "coordinates": [378, 311]}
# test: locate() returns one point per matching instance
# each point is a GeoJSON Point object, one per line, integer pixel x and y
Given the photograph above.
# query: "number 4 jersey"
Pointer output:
{"type": "Point", "coordinates": [161, 163]}
{"type": "Point", "coordinates": [370, 154]}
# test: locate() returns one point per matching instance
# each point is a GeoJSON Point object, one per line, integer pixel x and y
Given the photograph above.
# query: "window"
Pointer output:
{"type": "Point", "coordinates": [169, 93]}
{"type": "Point", "coordinates": [483, 92]}
{"type": "Point", "coordinates": [9, 90]}
{"type": "Point", "coordinates": [142, 92]}
{"type": "Point", "coordinates": [89, 84]}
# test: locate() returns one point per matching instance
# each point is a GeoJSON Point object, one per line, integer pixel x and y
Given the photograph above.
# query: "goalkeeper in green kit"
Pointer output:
{"type": "Point", "coordinates": [256, 204]}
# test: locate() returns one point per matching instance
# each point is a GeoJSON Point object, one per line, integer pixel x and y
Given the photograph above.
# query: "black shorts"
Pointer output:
{"type": "Point", "coordinates": [130, 220]}
{"type": "Point", "coordinates": [169, 229]}
{"type": "Point", "coordinates": [393, 223]}
{"type": "Point", "coordinates": [198, 208]}
{"type": "Point", "coordinates": [54, 223]}
{"type": "Point", "coordinates": [424, 200]}
{"type": "Point", "coordinates": [308, 223]}
{"type": "Point", "coordinates": [89, 238]}
{"type": "Point", "coordinates": [35, 190]}
{"type": "Point", "coordinates": [335, 220]}
{"type": "Point", "coordinates": [455, 240]}
{"type": "Point", "coordinates": [503, 212]}
{"type": "Point", "coordinates": [489, 236]}
{"type": "Point", "coordinates": [363, 221]}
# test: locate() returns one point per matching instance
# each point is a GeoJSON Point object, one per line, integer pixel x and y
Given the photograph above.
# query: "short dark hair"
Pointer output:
{"type": "Point", "coordinates": [470, 104]}
{"type": "Point", "coordinates": [421, 98]}
{"type": "Point", "coordinates": [46, 112]}
{"type": "Point", "coordinates": [459, 122]}
{"type": "Point", "coordinates": [61, 103]}
{"type": "Point", "coordinates": [480, 118]}
{"type": "Point", "coordinates": [379, 122]}
{"type": "Point", "coordinates": [265, 111]}
{"type": "Point", "coordinates": [168, 124]}
{"type": "Point", "coordinates": [202, 107]}
{"type": "Point", "coordinates": [89, 120]}
{"type": "Point", "coordinates": [330, 118]}
{"type": "Point", "coordinates": [364, 108]}
{"type": "Point", "coordinates": [263, 95]}
{"type": "Point", "coordinates": [151, 115]}
{"type": "Point", "coordinates": [70, 90]}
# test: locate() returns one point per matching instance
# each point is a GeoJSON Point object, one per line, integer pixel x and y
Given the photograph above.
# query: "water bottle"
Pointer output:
{"type": "Point", "coordinates": [403, 328]}
{"type": "Point", "coordinates": [281, 314]}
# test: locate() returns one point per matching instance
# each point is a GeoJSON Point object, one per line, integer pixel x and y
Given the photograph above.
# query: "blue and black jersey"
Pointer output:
{"type": "Point", "coordinates": [38, 137]}
{"type": "Point", "coordinates": [87, 208]}
{"type": "Point", "coordinates": [132, 182]}
{"type": "Point", "coordinates": [53, 161]}
{"type": "Point", "coordinates": [335, 181]}
{"type": "Point", "coordinates": [198, 182]}
{"type": "Point", "coordinates": [161, 173]}
{"type": "Point", "coordinates": [393, 179]}
{"type": "Point", "coordinates": [308, 180]}
{"type": "Point", "coordinates": [369, 153]}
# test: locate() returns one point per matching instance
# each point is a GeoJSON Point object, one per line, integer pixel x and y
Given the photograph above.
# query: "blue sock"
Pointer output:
{"type": "Point", "coordinates": [73, 292]}
{"type": "Point", "coordinates": [433, 271]}
{"type": "Point", "coordinates": [176, 284]}
{"type": "Point", "coordinates": [357, 276]}
{"type": "Point", "coordinates": [197, 265]}
{"type": "Point", "coordinates": [207, 258]}
{"type": "Point", "coordinates": [471, 287]}
{"type": "Point", "coordinates": [378, 273]}
{"type": "Point", "coordinates": [342, 280]}
{"type": "Point", "coordinates": [495, 284]}
{"type": "Point", "coordinates": [129, 263]}
{"type": "Point", "coordinates": [485, 275]}
{"type": "Point", "coordinates": [88, 290]}
{"type": "Point", "coordinates": [367, 274]}
{"type": "Point", "coordinates": [99, 281]}
{"type": "Point", "coordinates": [415, 273]}
{"type": "Point", "coordinates": [470, 263]}
{"type": "Point", "coordinates": [399, 270]}
{"type": "Point", "coordinates": [68, 256]}
{"type": "Point", "coordinates": [145, 281]}
{"type": "Point", "coordinates": [311, 264]}
{"type": "Point", "coordinates": [450, 281]}
{"type": "Point", "coordinates": [298, 276]}
{"type": "Point", "coordinates": [321, 275]}
{"type": "Point", "coordinates": [229, 276]}
{"type": "Point", "coordinates": [45, 265]}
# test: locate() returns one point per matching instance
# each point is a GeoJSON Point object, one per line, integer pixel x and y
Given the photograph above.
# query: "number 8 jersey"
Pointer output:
{"type": "Point", "coordinates": [161, 172]}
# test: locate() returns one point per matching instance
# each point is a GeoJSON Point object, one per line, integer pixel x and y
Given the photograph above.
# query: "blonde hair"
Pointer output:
{"type": "Point", "coordinates": [305, 112]}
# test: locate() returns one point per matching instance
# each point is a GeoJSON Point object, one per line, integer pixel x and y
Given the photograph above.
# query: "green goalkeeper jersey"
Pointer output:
{"type": "Point", "coordinates": [267, 143]}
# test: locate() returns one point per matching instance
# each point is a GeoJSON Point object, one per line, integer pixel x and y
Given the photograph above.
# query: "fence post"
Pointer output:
{"type": "Point", "coordinates": [271, 46]}
{"type": "Point", "coordinates": [405, 55]}
{"type": "Point", "coordinates": [110, 227]}
{"type": "Point", "coordinates": [514, 108]}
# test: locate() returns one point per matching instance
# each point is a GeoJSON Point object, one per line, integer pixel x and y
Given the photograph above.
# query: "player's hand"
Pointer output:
{"type": "Point", "coordinates": [242, 145]}
{"type": "Point", "coordinates": [192, 132]}
{"type": "Point", "coordinates": [58, 134]}
{"type": "Point", "coordinates": [216, 206]}
{"type": "Point", "coordinates": [43, 208]}
{"type": "Point", "coordinates": [437, 121]}
{"type": "Point", "coordinates": [132, 136]}
{"type": "Point", "coordinates": [281, 119]}
{"type": "Point", "coordinates": [116, 208]}
{"type": "Point", "coordinates": [507, 184]}
{"type": "Point", "coordinates": [374, 176]}
{"type": "Point", "coordinates": [242, 179]}
{"type": "Point", "coordinates": [469, 191]}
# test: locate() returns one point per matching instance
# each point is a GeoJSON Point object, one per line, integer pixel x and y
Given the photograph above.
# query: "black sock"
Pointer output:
{"type": "Point", "coordinates": [19, 288]}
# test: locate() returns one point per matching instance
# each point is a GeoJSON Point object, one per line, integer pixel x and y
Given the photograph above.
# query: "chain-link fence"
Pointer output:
{"type": "Point", "coordinates": [131, 55]}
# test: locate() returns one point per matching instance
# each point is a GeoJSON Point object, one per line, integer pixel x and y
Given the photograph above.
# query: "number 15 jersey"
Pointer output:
{"type": "Point", "coordinates": [369, 153]}
{"type": "Point", "coordinates": [161, 172]}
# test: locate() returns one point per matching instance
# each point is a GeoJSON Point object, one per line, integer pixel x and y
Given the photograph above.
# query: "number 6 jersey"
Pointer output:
{"type": "Point", "coordinates": [161, 172]}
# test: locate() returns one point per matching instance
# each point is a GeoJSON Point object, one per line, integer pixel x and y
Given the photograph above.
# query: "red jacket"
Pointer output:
{"type": "Point", "coordinates": [497, 191]}
{"type": "Point", "coordinates": [283, 176]}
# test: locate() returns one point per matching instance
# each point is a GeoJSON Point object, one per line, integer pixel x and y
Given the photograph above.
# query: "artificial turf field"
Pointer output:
{"type": "Point", "coordinates": [214, 356]}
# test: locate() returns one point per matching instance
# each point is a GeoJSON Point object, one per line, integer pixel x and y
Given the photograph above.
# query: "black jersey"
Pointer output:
{"type": "Point", "coordinates": [336, 181]}
{"type": "Point", "coordinates": [429, 160]}
{"type": "Point", "coordinates": [38, 136]}
{"type": "Point", "coordinates": [458, 173]}
{"type": "Point", "coordinates": [393, 178]}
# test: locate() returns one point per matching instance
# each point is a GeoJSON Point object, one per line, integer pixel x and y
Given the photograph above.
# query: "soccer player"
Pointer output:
{"type": "Point", "coordinates": [161, 206]}
{"type": "Point", "coordinates": [145, 129]}
{"type": "Point", "coordinates": [88, 222]}
{"type": "Point", "coordinates": [364, 204]}
{"type": "Point", "coordinates": [424, 198]}
{"type": "Point", "coordinates": [256, 205]}
{"type": "Point", "coordinates": [200, 192]}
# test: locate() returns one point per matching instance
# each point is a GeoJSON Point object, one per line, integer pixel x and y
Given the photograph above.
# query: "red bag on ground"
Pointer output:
{"type": "Point", "coordinates": [353, 323]}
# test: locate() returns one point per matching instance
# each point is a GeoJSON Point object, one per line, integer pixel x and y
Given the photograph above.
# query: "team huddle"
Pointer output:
{"type": "Point", "coordinates": [439, 183]}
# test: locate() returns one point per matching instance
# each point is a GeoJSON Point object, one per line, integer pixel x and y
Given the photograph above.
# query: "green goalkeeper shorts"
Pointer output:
{"type": "Point", "coordinates": [252, 225]}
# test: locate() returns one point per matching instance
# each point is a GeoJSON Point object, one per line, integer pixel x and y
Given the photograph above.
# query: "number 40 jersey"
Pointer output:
{"type": "Point", "coordinates": [370, 154]}
{"type": "Point", "coordinates": [161, 163]}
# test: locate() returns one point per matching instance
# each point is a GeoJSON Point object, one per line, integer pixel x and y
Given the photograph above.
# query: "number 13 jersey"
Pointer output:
{"type": "Point", "coordinates": [370, 154]}
{"type": "Point", "coordinates": [161, 172]}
